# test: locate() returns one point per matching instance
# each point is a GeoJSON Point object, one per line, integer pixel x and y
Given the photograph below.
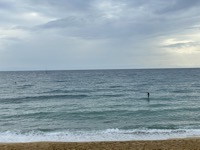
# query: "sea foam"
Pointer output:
{"type": "Point", "coordinates": [104, 135]}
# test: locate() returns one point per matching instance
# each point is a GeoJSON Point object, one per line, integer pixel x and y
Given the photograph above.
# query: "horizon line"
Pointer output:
{"type": "Point", "coordinates": [99, 69]}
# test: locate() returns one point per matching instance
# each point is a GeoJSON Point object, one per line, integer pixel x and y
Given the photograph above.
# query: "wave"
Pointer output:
{"type": "Point", "coordinates": [61, 91]}
{"type": "Point", "coordinates": [103, 135]}
{"type": "Point", "coordinates": [115, 86]}
{"type": "Point", "coordinates": [22, 87]}
{"type": "Point", "coordinates": [111, 95]}
{"type": "Point", "coordinates": [61, 81]}
{"type": "Point", "coordinates": [42, 97]}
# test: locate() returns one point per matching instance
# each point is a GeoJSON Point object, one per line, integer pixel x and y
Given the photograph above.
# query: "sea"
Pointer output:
{"type": "Point", "coordinates": [99, 105]}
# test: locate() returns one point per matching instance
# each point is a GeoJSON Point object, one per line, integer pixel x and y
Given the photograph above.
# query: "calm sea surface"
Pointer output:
{"type": "Point", "coordinates": [99, 105]}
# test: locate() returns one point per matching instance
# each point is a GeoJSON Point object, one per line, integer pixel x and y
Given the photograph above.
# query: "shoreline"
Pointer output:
{"type": "Point", "coordinates": [176, 144]}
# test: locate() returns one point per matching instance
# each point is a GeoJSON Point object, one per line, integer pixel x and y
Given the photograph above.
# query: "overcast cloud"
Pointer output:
{"type": "Point", "coordinates": [99, 34]}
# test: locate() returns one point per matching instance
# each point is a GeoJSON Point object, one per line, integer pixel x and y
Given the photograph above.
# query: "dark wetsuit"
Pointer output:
{"type": "Point", "coordinates": [148, 94]}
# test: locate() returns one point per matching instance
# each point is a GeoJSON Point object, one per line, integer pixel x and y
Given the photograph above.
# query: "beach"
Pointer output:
{"type": "Point", "coordinates": [172, 144]}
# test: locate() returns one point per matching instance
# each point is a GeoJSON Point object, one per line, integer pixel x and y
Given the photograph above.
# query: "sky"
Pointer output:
{"type": "Point", "coordinates": [99, 34]}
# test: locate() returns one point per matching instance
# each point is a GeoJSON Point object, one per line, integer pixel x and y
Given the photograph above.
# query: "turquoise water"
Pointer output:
{"type": "Point", "coordinates": [99, 105]}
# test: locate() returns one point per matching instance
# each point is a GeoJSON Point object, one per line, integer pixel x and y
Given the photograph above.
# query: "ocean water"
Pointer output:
{"type": "Point", "coordinates": [99, 105]}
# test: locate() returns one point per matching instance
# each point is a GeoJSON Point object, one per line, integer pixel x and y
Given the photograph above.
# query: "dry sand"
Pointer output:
{"type": "Point", "coordinates": [173, 144]}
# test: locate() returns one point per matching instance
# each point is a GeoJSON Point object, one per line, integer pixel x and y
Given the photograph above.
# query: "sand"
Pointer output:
{"type": "Point", "coordinates": [173, 144]}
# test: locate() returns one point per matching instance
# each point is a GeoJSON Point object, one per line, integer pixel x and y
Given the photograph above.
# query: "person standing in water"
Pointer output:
{"type": "Point", "coordinates": [148, 95]}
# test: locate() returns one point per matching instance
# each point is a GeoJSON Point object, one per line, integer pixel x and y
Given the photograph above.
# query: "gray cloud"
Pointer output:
{"type": "Point", "coordinates": [142, 21]}
{"type": "Point", "coordinates": [5, 5]}
{"type": "Point", "coordinates": [94, 33]}
{"type": "Point", "coordinates": [69, 4]}
{"type": "Point", "coordinates": [180, 5]}
{"type": "Point", "coordinates": [183, 45]}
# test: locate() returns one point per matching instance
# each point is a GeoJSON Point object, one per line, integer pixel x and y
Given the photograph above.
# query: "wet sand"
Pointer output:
{"type": "Point", "coordinates": [172, 144]}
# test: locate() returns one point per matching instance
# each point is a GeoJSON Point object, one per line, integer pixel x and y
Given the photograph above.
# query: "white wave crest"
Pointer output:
{"type": "Point", "coordinates": [104, 135]}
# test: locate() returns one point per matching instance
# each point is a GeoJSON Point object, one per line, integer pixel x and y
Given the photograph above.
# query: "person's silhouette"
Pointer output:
{"type": "Point", "coordinates": [148, 94]}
